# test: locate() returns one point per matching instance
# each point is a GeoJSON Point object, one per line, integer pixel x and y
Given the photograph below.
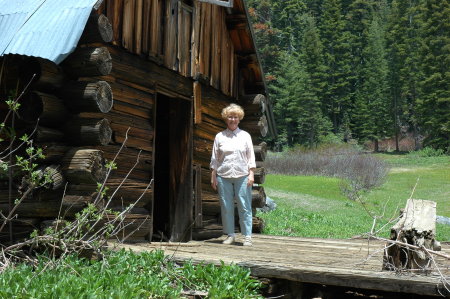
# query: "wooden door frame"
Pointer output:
{"type": "Point", "coordinates": [181, 216]}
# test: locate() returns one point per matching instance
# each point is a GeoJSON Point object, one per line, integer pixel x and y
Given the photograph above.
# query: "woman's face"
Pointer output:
{"type": "Point", "coordinates": [232, 121]}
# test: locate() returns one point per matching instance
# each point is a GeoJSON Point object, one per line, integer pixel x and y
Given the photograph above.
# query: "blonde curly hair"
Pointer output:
{"type": "Point", "coordinates": [233, 109]}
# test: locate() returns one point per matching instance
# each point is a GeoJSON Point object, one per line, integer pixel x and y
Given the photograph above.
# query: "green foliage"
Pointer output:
{"type": "Point", "coordinates": [427, 152]}
{"type": "Point", "coordinates": [373, 67]}
{"type": "Point", "coordinates": [434, 104]}
{"type": "Point", "coordinates": [372, 119]}
{"type": "Point", "coordinates": [124, 274]}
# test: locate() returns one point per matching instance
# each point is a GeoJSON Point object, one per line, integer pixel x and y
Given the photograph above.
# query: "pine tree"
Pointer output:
{"type": "Point", "coordinates": [434, 102]}
{"type": "Point", "coordinates": [375, 86]}
{"type": "Point", "coordinates": [359, 16]}
{"type": "Point", "coordinates": [311, 56]}
{"type": "Point", "coordinates": [297, 108]}
{"type": "Point", "coordinates": [288, 19]}
{"type": "Point", "coordinates": [403, 44]}
{"type": "Point", "coordinates": [267, 37]}
{"type": "Point", "coordinates": [337, 60]}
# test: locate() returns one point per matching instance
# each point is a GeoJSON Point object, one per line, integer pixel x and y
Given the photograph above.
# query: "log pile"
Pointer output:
{"type": "Point", "coordinates": [70, 110]}
{"type": "Point", "coordinates": [417, 227]}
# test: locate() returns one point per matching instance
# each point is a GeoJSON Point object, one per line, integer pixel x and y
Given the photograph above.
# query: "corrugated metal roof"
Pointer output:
{"type": "Point", "coordinates": [49, 29]}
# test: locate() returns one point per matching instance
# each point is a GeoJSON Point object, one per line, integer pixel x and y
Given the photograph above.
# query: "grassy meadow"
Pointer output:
{"type": "Point", "coordinates": [315, 206]}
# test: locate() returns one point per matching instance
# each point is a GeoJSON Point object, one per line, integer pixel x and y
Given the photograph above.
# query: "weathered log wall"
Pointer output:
{"type": "Point", "coordinates": [103, 95]}
{"type": "Point", "coordinates": [191, 40]}
{"type": "Point", "coordinates": [81, 116]}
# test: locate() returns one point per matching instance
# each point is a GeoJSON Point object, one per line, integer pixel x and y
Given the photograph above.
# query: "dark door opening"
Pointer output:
{"type": "Point", "coordinates": [172, 169]}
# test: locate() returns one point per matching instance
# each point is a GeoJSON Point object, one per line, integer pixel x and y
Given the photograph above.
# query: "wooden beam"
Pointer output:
{"type": "Point", "coordinates": [197, 103]}
{"type": "Point", "coordinates": [224, 3]}
{"type": "Point", "coordinates": [237, 21]}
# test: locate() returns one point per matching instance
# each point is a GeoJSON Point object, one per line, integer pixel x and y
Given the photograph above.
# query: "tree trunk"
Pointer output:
{"type": "Point", "coordinates": [417, 226]}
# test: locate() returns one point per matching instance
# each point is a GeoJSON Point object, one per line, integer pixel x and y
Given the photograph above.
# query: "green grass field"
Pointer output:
{"type": "Point", "coordinates": [313, 206]}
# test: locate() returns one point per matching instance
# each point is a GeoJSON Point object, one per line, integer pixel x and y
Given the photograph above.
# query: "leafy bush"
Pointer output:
{"type": "Point", "coordinates": [124, 274]}
{"type": "Point", "coordinates": [427, 152]}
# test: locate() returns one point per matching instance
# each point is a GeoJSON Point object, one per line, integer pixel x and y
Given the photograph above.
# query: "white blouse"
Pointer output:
{"type": "Point", "coordinates": [232, 154]}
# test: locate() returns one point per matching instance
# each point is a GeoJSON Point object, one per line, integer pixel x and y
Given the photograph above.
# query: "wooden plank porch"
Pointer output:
{"type": "Point", "coordinates": [355, 263]}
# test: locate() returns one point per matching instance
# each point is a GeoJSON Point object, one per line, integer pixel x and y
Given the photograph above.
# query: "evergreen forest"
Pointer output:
{"type": "Point", "coordinates": [361, 70]}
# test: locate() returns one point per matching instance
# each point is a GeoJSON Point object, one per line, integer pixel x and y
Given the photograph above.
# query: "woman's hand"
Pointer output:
{"type": "Point", "coordinates": [251, 177]}
{"type": "Point", "coordinates": [214, 179]}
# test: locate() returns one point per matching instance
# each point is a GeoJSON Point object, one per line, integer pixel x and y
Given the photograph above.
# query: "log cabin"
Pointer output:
{"type": "Point", "coordinates": [151, 75]}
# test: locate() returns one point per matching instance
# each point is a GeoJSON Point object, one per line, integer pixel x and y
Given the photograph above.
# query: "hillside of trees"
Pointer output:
{"type": "Point", "coordinates": [363, 69]}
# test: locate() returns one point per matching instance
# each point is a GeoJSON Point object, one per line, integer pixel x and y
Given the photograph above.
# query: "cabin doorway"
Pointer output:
{"type": "Point", "coordinates": [172, 169]}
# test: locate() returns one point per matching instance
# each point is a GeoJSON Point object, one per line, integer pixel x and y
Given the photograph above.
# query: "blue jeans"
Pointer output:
{"type": "Point", "coordinates": [229, 188]}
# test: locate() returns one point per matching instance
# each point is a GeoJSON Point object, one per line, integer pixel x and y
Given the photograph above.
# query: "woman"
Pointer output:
{"type": "Point", "coordinates": [232, 174]}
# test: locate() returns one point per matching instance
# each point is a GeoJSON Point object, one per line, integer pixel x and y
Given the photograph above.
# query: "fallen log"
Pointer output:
{"type": "Point", "coordinates": [416, 226]}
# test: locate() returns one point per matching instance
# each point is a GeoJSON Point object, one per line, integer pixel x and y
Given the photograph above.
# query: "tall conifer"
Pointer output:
{"type": "Point", "coordinates": [337, 62]}
{"type": "Point", "coordinates": [434, 102]}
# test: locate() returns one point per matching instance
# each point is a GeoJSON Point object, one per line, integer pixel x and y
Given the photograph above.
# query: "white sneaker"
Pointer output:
{"type": "Point", "coordinates": [247, 241]}
{"type": "Point", "coordinates": [229, 240]}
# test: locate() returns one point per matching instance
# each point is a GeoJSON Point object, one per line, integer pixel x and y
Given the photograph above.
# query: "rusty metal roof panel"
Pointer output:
{"type": "Point", "coordinates": [48, 29]}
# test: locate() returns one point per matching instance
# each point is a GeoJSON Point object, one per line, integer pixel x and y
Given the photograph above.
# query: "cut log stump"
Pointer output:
{"type": "Point", "coordinates": [86, 62]}
{"type": "Point", "coordinates": [417, 226]}
{"type": "Point", "coordinates": [84, 166]}
{"type": "Point", "coordinates": [82, 96]}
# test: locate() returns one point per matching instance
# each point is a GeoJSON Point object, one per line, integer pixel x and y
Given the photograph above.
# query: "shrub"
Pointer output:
{"type": "Point", "coordinates": [334, 161]}
{"type": "Point", "coordinates": [427, 152]}
{"type": "Point", "coordinates": [360, 171]}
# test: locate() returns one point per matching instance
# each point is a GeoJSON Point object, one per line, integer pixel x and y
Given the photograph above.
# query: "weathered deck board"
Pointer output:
{"type": "Point", "coordinates": [346, 263]}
